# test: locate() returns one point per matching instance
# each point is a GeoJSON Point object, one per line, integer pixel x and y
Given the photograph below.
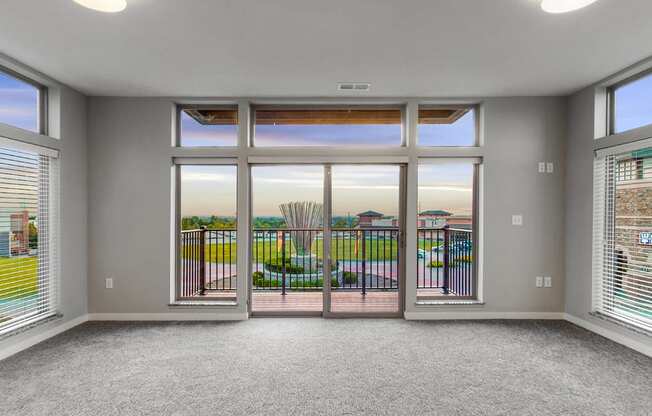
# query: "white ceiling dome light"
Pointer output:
{"type": "Point", "coordinates": [107, 6]}
{"type": "Point", "coordinates": [563, 6]}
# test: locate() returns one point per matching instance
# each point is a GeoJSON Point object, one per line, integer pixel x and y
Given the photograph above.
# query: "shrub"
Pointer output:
{"type": "Point", "coordinates": [305, 284]}
{"type": "Point", "coordinates": [436, 263]}
{"type": "Point", "coordinates": [276, 265]}
{"type": "Point", "coordinates": [464, 259]}
{"type": "Point", "coordinates": [258, 278]}
{"type": "Point", "coordinates": [267, 283]}
{"type": "Point", "coordinates": [350, 278]}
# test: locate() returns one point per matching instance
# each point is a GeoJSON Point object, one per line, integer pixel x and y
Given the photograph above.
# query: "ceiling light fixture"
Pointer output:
{"type": "Point", "coordinates": [107, 6]}
{"type": "Point", "coordinates": [564, 6]}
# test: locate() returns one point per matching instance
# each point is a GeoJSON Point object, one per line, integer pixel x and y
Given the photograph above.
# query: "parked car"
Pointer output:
{"type": "Point", "coordinates": [464, 246]}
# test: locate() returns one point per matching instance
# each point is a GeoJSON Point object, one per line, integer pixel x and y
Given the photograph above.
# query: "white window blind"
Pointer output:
{"type": "Point", "coordinates": [28, 234]}
{"type": "Point", "coordinates": [622, 257]}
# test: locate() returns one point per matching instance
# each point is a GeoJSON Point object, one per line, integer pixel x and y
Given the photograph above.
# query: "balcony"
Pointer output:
{"type": "Point", "coordinates": [288, 270]}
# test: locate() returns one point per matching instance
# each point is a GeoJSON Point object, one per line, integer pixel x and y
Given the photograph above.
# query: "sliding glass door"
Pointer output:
{"type": "Point", "coordinates": [366, 240]}
{"type": "Point", "coordinates": [350, 263]}
{"type": "Point", "coordinates": [287, 268]}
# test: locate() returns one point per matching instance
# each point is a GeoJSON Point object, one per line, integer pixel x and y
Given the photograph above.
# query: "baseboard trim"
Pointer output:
{"type": "Point", "coordinates": [32, 340]}
{"type": "Point", "coordinates": [240, 316]}
{"type": "Point", "coordinates": [469, 315]}
{"type": "Point", "coordinates": [612, 335]}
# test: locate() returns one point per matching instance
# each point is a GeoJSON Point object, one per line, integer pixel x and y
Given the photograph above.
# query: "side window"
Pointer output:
{"type": "Point", "coordinates": [21, 103]}
{"type": "Point", "coordinates": [631, 104]}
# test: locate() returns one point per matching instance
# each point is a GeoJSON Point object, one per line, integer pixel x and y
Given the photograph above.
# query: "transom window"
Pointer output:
{"type": "Point", "coordinates": [21, 102]}
{"type": "Point", "coordinates": [631, 104]}
{"type": "Point", "coordinates": [327, 126]}
{"type": "Point", "coordinates": [447, 126]}
{"type": "Point", "coordinates": [208, 126]}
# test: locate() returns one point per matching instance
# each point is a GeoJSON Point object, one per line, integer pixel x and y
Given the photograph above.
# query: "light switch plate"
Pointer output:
{"type": "Point", "coordinates": [550, 167]}
{"type": "Point", "coordinates": [517, 219]}
{"type": "Point", "coordinates": [542, 167]}
{"type": "Point", "coordinates": [539, 281]}
{"type": "Point", "coordinates": [109, 283]}
{"type": "Point", "coordinates": [547, 281]}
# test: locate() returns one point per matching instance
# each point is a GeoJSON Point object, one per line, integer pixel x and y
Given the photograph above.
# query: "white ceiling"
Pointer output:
{"type": "Point", "coordinates": [439, 48]}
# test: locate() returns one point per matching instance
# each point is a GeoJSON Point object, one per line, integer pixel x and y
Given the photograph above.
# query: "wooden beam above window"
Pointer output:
{"type": "Point", "coordinates": [441, 115]}
{"type": "Point", "coordinates": [213, 116]}
{"type": "Point", "coordinates": [310, 116]}
{"type": "Point", "coordinates": [277, 115]}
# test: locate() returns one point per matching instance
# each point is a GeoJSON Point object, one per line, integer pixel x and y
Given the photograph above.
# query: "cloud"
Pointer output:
{"type": "Point", "coordinates": [205, 177]}
{"type": "Point", "coordinates": [451, 188]}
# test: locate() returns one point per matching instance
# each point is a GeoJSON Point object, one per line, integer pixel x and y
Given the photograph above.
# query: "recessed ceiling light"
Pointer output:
{"type": "Point", "coordinates": [108, 6]}
{"type": "Point", "coordinates": [563, 6]}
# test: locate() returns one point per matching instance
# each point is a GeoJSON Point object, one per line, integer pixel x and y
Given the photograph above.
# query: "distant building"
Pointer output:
{"type": "Point", "coordinates": [437, 219]}
{"type": "Point", "coordinates": [434, 213]}
{"type": "Point", "coordinates": [460, 221]}
{"type": "Point", "coordinates": [14, 238]}
{"type": "Point", "coordinates": [633, 210]}
{"type": "Point", "coordinates": [20, 233]}
{"type": "Point", "coordinates": [373, 219]}
{"type": "Point", "coordinates": [366, 219]}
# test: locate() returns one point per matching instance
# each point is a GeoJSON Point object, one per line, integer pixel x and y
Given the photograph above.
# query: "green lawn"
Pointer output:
{"type": "Point", "coordinates": [344, 249]}
{"type": "Point", "coordinates": [18, 277]}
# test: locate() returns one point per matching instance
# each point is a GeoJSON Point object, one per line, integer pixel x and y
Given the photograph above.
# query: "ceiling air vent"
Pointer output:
{"type": "Point", "coordinates": [353, 86]}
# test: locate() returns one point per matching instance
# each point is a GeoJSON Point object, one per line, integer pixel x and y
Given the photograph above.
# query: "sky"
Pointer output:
{"type": "Point", "coordinates": [634, 104]}
{"type": "Point", "coordinates": [461, 133]}
{"type": "Point", "coordinates": [18, 103]}
{"type": "Point", "coordinates": [355, 188]}
{"type": "Point", "coordinates": [370, 135]}
{"type": "Point", "coordinates": [447, 186]}
{"type": "Point", "coordinates": [194, 134]}
{"type": "Point", "coordinates": [211, 190]}
{"type": "Point", "coordinates": [208, 190]}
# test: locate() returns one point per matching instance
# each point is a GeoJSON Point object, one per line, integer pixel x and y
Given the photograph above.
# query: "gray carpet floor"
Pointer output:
{"type": "Point", "coordinates": [327, 367]}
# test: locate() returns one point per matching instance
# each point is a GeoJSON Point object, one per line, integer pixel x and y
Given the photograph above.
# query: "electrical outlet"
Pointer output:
{"type": "Point", "coordinates": [550, 167]}
{"type": "Point", "coordinates": [547, 281]}
{"type": "Point", "coordinates": [517, 219]}
{"type": "Point", "coordinates": [542, 167]}
{"type": "Point", "coordinates": [539, 281]}
{"type": "Point", "coordinates": [109, 283]}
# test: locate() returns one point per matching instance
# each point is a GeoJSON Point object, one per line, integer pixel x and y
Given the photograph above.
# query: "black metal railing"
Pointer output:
{"type": "Point", "coordinates": [362, 259]}
{"type": "Point", "coordinates": [366, 259]}
{"type": "Point", "coordinates": [208, 261]}
{"type": "Point", "coordinates": [287, 259]}
{"type": "Point", "coordinates": [445, 261]}
{"type": "Point", "coordinates": [292, 259]}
